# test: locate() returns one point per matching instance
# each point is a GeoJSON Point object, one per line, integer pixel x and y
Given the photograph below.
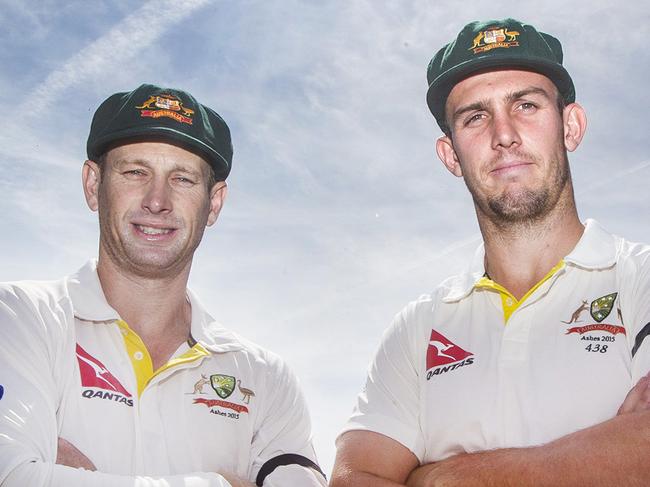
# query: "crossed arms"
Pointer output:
{"type": "Point", "coordinates": [614, 452]}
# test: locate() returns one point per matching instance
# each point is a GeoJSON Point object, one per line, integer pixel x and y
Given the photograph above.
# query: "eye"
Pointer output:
{"type": "Point", "coordinates": [184, 180]}
{"type": "Point", "coordinates": [133, 173]}
{"type": "Point", "coordinates": [474, 119]}
{"type": "Point", "coordinates": [527, 106]}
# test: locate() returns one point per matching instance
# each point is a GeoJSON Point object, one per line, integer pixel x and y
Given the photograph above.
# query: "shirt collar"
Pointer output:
{"type": "Point", "coordinates": [596, 249]}
{"type": "Point", "coordinates": [90, 306]}
{"type": "Point", "coordinates": [87, 296]}
{"type": "Point", "coordinates": [460, 286]}
{"type": "Point", "coordinates": [209, 332]}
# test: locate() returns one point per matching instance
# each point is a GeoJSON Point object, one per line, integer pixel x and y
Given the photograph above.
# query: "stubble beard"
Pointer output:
{"type": "Point", "coordinates": [526, 206]}
{"type": "Point", "coordinates": [126, 254]}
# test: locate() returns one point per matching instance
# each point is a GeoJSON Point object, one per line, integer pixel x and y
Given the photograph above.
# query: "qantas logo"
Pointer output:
{"type": "Point", "coordinates": [94, 374]}
{"type": "Point", "coordinates": [443, 355]}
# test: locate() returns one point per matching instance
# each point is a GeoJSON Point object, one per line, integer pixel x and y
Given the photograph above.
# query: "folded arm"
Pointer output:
{"type": "Point", "coordinates": [614, 452]}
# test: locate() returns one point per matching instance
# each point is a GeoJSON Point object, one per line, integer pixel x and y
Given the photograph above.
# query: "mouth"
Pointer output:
{"type": "Point", "coordinates": [510, 167]}
{"type": "Point", "coordinates": [152, 233]}
{"type": "Point", "coordinates": [153, 230]}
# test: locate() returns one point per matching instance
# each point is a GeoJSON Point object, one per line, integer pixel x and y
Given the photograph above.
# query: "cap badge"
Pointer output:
{"type": "Point", "coordinates": [494, 38]}
{"type": "Point", "coordinates": [166, 105]}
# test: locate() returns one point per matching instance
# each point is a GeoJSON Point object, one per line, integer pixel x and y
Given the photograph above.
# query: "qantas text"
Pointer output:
{"type": "Point", "coordinates": [446, 368]}
{"type": "Point", "coordinates": [111, 396]}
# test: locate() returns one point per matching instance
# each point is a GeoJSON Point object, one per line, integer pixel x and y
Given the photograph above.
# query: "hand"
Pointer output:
{"type": "Point", "coordinates": [638, 399]}
{"type": "Point", "coordinates": [421, 476]}
{"type": "Point", "coordinates": [67, 454]}
{"type": "Point", "coordinates": [461, 470]}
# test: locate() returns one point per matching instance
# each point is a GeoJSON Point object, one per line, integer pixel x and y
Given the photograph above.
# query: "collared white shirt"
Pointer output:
{"type": "Point", "coordinates": [451, 376]}
{"type": "Point", "coordinates": [73, 369]}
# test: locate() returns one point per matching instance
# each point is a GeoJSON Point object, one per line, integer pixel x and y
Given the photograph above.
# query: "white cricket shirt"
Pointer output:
{"type": "Point", "coordinates": [71, 368]}
{"type": "Point", "coordinates": [451, 376]}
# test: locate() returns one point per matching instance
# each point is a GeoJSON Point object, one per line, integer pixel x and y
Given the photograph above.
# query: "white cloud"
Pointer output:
{"type": "Point", "coordinates": [122, 42]}
{"type": "Point", "coordinates": [339, 212]}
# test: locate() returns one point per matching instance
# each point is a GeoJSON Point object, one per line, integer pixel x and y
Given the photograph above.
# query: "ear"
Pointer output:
{"type": "Point", "coordinates": [217, 197]}
{"type": "Point", "coordinates": [447, 154]}
{"type": "Point", "coordinates": [90, 177]}
{"type": "Point", "coordinates": [575, 126]}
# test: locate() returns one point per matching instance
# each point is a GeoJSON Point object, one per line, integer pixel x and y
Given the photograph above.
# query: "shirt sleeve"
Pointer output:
{"type": "Point", "coordinates": [282, 452]}
{"type": "Point", "coordinates": [389, 401]}
{"type": "Point", "coordinates": [33, 371]}
{"type": "Point", "coordinates": [635, 307]}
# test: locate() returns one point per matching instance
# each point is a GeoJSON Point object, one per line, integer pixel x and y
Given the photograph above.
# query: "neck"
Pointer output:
{"type": "Point", "coordinates": [157, 309]}
{"type": "Point", "coordinates": [519, 255]}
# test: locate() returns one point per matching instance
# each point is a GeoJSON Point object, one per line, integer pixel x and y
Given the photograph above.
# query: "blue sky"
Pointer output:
{"type": "Point", "coordinates": [339, 212]}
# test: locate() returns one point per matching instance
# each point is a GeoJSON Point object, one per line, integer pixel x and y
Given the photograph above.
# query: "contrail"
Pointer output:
{"type": "Point", "coordinates": [124, 41]}
{"type": "Point", "coordinates": [618, 175]}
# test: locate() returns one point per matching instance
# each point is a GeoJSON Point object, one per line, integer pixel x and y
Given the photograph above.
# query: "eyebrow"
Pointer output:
{"type": "Point", "coordinates": [533, 90]}
{"type": "Point", "coordinates": [143, 162]}
{"type": "Point", "coordinates": [509, 98]}
{"type": "Point", "coordinates": [477, 105]}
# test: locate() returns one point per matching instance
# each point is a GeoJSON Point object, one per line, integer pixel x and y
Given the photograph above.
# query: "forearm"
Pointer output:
{"type": "Point", "coordinates": [610, 453]}
{"type": "Point", "coordinates": [38, 474]}
{"type": "Point", "coordinates": [361, 479]}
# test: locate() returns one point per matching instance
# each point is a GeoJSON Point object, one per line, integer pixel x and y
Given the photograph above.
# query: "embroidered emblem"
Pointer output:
{"type": "Point", "coordinates": [247, 393]}
{"type": "Point", "coordinates": [575, 317]}
{"type": "Point", "coordinates": [214, 404]}
{"type": "Point", "coordinates": [223, 385]}
{"type": "Point", "coordinates": [601, 307]}
{"type": "Point", "coordinates": [613, 329]}
{"type": "Point", "coordinates": [198, 385]}
{"type": "Point", "coordinates": [620, 315]}
{"type": "Point", "coordinates": [494, 38]}
{"type": "Point", "coordinates": [166, 105]}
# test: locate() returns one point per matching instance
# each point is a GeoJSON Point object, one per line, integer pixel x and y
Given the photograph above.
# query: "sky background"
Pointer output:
{"type": "Point", "coordinates": [338, 212]}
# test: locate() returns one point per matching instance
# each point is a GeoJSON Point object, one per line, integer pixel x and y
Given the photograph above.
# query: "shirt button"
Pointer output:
{"type": "Point", "coordinates": [508, 301]}
{"type": "Point", "coordinates": [138, 355]}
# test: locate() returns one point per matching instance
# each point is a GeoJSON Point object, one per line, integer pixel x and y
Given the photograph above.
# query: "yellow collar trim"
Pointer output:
{"type": "Point", "coordinates": [508, 302]}
{"type": "Point", "coordinates": [141, 360]}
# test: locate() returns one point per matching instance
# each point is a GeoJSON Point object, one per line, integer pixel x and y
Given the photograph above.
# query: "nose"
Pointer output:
{"type": "Point", "coordinates": [504, 131]}
{"type": "Point", "coordinates": [157, 198]}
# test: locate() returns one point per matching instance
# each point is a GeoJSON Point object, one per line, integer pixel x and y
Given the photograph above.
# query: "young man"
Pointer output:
{"type": "Point", "coordinates": [516, 372]}
{"type": "Point", "coordinates": [118, 369]}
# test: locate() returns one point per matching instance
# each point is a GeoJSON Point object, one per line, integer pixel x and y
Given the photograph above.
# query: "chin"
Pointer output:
{"type": "Point", "coordinates": [520, 206]}
{"type": "Point", "coordinates": [153, 264]}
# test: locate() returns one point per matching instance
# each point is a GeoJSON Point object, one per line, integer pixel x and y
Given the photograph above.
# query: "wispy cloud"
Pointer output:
{"type": "Point", "coordinates": [339, 211]}
{"type": "Point", "coordinates": [609, 178]}
{"type": "Point", "coordinates": [122, 42]}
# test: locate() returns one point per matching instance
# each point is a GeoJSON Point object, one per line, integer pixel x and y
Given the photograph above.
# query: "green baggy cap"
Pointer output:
{"type": "Point", "coordinates": [506, 43]}
{"type": "Point", "coordinates": [165, 114]}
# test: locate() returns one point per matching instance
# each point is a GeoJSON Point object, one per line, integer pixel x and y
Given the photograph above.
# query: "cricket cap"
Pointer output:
{"type": "Point", "coordinates": [161, 114]}
{"type": "Point", "coordinates": [480, 46]}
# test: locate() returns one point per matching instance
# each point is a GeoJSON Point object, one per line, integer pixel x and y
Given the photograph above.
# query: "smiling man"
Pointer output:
{"type": "Point", "coordinates": [529, 368]}
{"type": "Point", "coordinates": [117, 375]}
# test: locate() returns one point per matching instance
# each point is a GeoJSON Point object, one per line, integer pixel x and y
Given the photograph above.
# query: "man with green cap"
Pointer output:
{"type": "Point", "coordinates": [117, 375]}
{"type": "Point", "coordinates": [529, 368]}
